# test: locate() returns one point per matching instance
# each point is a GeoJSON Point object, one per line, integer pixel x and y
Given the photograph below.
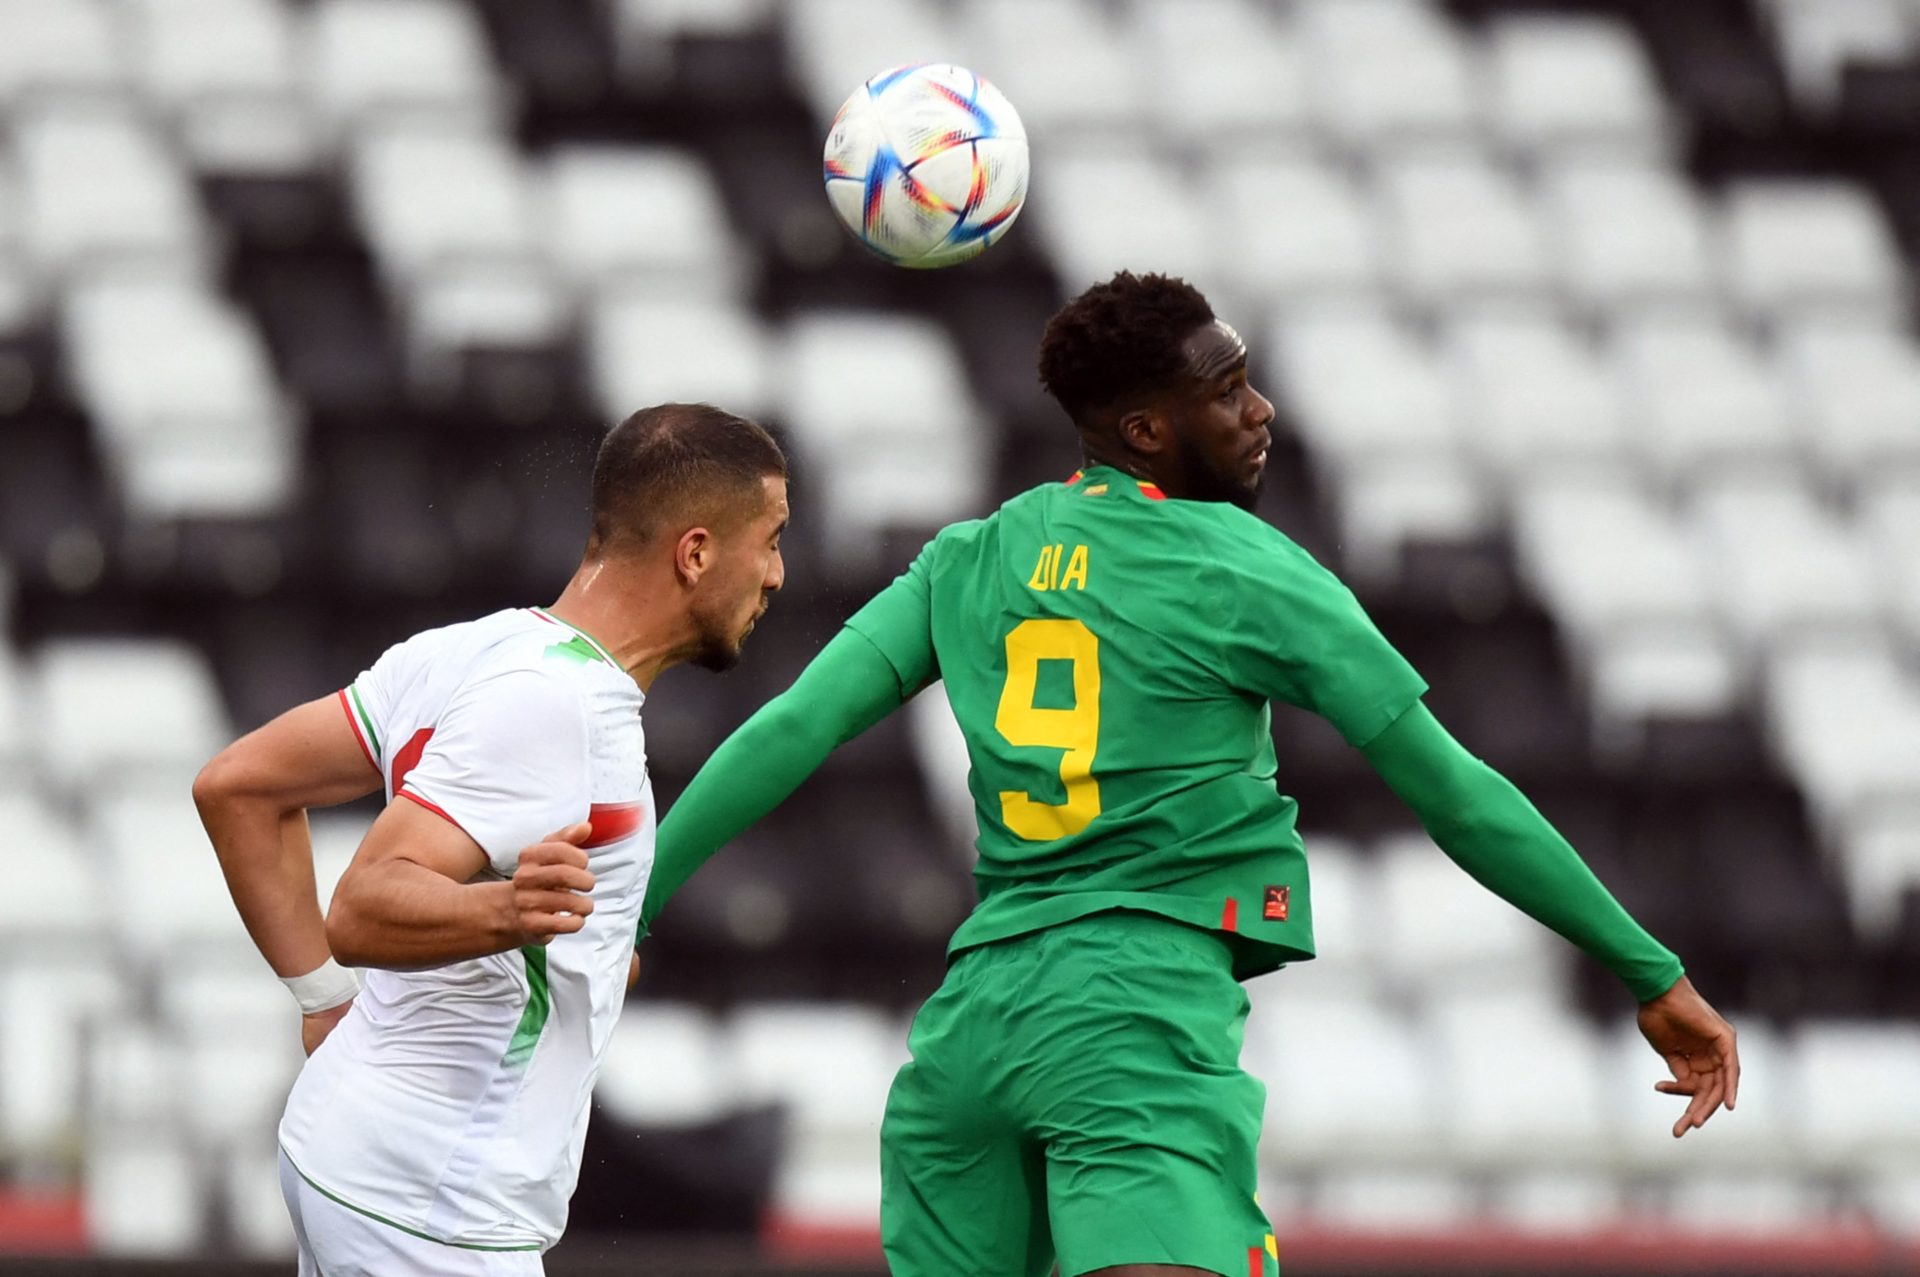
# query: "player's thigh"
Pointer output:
{"type": "Point", "coordinates": [337, 1241]}
{"type": "Point", "coordinates": [1152, 1127]}
{"type": "Point", "coordinates": [962, 1188]}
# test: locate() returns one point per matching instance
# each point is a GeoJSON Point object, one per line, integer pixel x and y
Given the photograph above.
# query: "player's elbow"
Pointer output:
{"type": "Point", "coordinates": [218, 783]}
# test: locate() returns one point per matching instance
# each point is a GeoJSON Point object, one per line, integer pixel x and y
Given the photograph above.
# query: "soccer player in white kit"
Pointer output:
{"type": "Point", "coordinates": [437, 1126]}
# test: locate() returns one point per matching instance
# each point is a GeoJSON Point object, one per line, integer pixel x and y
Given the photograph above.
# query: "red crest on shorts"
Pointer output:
{"type": "Point", "coordinates": [1275, 909]}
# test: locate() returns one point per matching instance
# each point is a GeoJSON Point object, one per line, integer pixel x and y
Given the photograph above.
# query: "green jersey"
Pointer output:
{"type": "Point", "coordinates": [1110, 655]}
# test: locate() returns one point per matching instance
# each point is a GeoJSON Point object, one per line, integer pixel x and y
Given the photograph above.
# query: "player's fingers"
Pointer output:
{"type": "Point", "coordinates": [537, 903]}
{"type": "Point", "coordinates": [552, 878]}
{"type": "Point", "coordinates": [542, 927]}
{"type": "Point", "coordinates": [1666, 1087]}
{"type": "Point", "coordinates": [1706, 1101]}
{"type": "Point", "coordinates": [1730, 1060]}
{"type": "Point", "coordinates": [576, 833]}
{"type": "Point", "coordinates": [554, 853]}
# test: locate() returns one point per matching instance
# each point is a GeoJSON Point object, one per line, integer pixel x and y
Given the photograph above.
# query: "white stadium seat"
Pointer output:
{"type": "Point", "coordinates": [644, 29]}
{"type": "Point", "coordinates": [436, 195]}
{"type": "Point", "coordinates": [1121, 203]}
{"type": "Point", "coordinates": [165, 891]}
{"type": "Point", "coordinates": [1845, 718]}
{"type": "Point", "coordinates": [941, 750]}
{"type": "Point", "coordinates": [1347, 1082]}
{"type": "Point", "coordinates": [1362, 386]}
{"type": "Point", "coordinates": [1683, 671]}
{"type": "Point", "coordinates": [1389, 72]}
{"type": "Point", "coordinates": [99, 188]}
{"type": "Point", "coordinates": [639, 217]}
{"type": "Point", "coordinates": [1442, 932]}
{"type": "Point", "coordinates": [230, 73]}
{"type": "Point", "coordinates": [1860, 1077]}
{"type": "Point", "coordinates": [666, 1064]}
{"type": "Point", "coordinates": [38, 843]}
{"type": "Point", "coordinates": [181, 386]}
{"type": "Point", "coordinates": [416, 56]}
{"type": "Point", "coordinates": [46, 1002]}
{"type": "Point", "coordinates": [1394, 1202]}
{"type": "Point", "coordinates": [1537, 394]}
{"type": "Point", "coordinates": [892, 466]}
{"type": "Point", "coordinates": [1460, 229]}
{"type": "Point", "coordinates": [1779, 562]}
{"type": "Point", "coordinates": [1756, 1206]}
{"type": "Point", "coordinates": [1702, 400]}
{"type": "Point", "coordinates": [1065, 64]}
{"type": "Point", "coordinates": [1558, 1203]}
{"type": "Point", "coordinates": [1818, 37]}
{"type": "Point", "coordinates": [1497, 1112]}
{"type": "Point", "coordinates": [1225, 75]}
{"type": "Point", "coordinates": [1856, 382]}
{"type": "Point", "coordinates": [1798, 244]}
{"type": "Point", "coordinates": [644, 348]}
{"type": "Point", "coordinates": [831, 1066]}
{"type": "Point", "coordinates": [838, 44]}
{"type": "Point", "coordinates": [1326, 242]}
{"type": "Point", "coordinates": [1386, 503]}
{"type": "Point", "coordinates": [1346, 924]}
{"type": "Point", "coordinates": [1628, 234]}
{"type": "Point", "coordinates": [115, 712]}
{"type": "Point", "coordinates": [144, 1195]}
{"type": "Point", "coordinates": [1890, 517]}
{"type": "Point", "coordinates": [15, 737]}
{"type": "Point", "coordinates": [63, 46]}
{"type": "Point", "coordinates": [1565, 82]}
{"type": "Point", "coordinates": [1880, 866]}
{"type": "Point", "coordinates": [255, 1209]}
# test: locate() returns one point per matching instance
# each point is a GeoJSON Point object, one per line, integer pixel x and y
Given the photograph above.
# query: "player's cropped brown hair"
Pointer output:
{"type": "Point", "coordinates": [678, 463]}
{"type": "Point", "coordinates": [1119, 341]}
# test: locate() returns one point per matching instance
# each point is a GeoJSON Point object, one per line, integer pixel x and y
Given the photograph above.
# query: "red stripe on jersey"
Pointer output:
{"type": "Point", "coordinates": [359, 737]}
{"type": "Point", "coordinates": [1075, 477]}
{"type": "Point", "coordinates": [437, 810]}
{"type": "Point", "coordinates": [612, 821]}
{"type": "Point", "coordinates": [1256, 1261]}
{"type": "Point", "coordinates": [1151, 491]}
{"type": "Point", "coordinates": [1230, 915]}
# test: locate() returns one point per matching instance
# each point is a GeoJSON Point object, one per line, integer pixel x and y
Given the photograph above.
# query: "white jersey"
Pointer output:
{"type": "Point", "coordinates": [452, 1103]}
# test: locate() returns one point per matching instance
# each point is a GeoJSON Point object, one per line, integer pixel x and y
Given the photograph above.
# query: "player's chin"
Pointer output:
{"type": "Point", "coordinates": [719, 654]}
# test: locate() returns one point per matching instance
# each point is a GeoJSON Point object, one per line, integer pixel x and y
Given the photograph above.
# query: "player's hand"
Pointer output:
{"type": "Point", "coordinates": [1699, 1048]}
{"type": "Point", "coordinates": [550, 886]}
{"type": "Point", "coordinates": [314, 1028]}
{"type": "Point", "coordinates": [633, 970]}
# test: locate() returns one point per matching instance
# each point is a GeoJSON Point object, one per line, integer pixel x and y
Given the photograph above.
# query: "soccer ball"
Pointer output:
{"type": "Point", "coordinates": [927, 164]}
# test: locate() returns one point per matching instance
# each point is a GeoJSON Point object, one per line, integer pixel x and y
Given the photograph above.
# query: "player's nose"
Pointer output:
{"type": "Point", "coordinates": [1259, 408]}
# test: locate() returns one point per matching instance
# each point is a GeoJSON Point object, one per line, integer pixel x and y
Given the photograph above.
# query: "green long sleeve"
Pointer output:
{"type": "Point", "coordinates": [843, 691]}
{"type": "Point", "coordinates": [1489, 829]}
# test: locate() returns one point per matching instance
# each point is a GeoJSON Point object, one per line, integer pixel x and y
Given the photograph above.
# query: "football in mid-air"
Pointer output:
{"type": "Point", "coordinates": [927, 164]}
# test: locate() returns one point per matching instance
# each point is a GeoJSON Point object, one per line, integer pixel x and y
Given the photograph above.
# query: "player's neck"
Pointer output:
{"type": "Point", "coordinates": [1135, 466]}
{"type": "Point", "coordinates": [612, 605]}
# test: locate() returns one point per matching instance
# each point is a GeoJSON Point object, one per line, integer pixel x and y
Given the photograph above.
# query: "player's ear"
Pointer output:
{"type": "Point", "coordinates": [693, 554]}
{"type": "Point", "coordinates": [1142, 430]}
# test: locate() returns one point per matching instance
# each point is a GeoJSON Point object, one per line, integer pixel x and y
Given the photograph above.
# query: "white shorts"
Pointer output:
{"type": "Point", "coordinates": [339, 1241]}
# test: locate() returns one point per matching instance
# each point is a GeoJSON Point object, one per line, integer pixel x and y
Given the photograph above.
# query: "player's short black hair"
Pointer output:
{"type": "Point", "coordinates": [678, 461]}
{"type": "Point", "coordinates": [1119, 341]}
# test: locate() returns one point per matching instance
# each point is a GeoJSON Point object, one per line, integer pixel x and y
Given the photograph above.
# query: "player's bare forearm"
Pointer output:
{"type": "Point", "coordinates": [409, 899]}
{"type": "Point", "coordinates": [252, 798]}
{"type": "Point", "coordinates": [403, 916]}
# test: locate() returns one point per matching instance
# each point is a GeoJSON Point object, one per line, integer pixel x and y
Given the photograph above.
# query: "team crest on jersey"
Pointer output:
{"type": "Point", "coordinates": [1275, 909]}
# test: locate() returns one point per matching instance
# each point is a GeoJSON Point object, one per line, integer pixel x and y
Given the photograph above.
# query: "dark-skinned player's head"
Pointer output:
{"type": "Point", "coordinates": [707, 491]}
{"type": "Point", "coordinates": [1157, 386]}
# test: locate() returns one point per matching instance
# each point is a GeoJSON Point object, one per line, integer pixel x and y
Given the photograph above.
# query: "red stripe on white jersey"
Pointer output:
{"type": "Point", "coordinates": [613, 821]}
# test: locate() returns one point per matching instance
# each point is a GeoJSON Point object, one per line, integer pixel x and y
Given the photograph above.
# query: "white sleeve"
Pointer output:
{"type": "Point", "coordinates": [507, 762]}
{"type": "Point", "coordinates": [366, 701]}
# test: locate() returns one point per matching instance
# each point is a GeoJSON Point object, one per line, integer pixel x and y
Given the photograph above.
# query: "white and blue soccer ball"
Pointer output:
{"type": "Point", "coordinates": [927, 164]}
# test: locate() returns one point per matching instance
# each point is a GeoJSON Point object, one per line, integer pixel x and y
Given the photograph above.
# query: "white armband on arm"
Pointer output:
{"type": "Point", "coordinates": [323, 988]}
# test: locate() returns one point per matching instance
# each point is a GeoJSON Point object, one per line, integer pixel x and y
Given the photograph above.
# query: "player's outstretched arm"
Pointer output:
{"type": "Point", "coordinates": [1488, 828]}
{"type": "Point", "coordinates": [253, 799]}
{"type": "Point", "coordinates": [407, 902]}
{"type": "Point", "coordinates": [845, 690]}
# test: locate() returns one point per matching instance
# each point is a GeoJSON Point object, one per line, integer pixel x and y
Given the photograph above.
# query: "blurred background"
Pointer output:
{"type": "Point", "coordinates": [1589, 326]}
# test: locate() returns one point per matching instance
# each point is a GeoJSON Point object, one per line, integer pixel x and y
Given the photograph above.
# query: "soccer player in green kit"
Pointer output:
{"type": "Point", "coordinates": [1110, 646]}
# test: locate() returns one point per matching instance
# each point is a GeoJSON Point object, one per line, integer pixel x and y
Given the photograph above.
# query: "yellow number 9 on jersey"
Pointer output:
{"type": "Point", "coordinates": [1076, 730]}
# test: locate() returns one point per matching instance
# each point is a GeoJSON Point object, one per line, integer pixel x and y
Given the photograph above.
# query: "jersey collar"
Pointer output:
{"type": "Point", "coordinates": [598, 648]}
{"type": "Point", "coordinates": [1104, 477]}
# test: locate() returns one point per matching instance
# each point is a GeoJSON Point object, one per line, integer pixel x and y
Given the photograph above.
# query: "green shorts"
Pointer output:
{"type": "Point", "coordinates": [1077, 1093]}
